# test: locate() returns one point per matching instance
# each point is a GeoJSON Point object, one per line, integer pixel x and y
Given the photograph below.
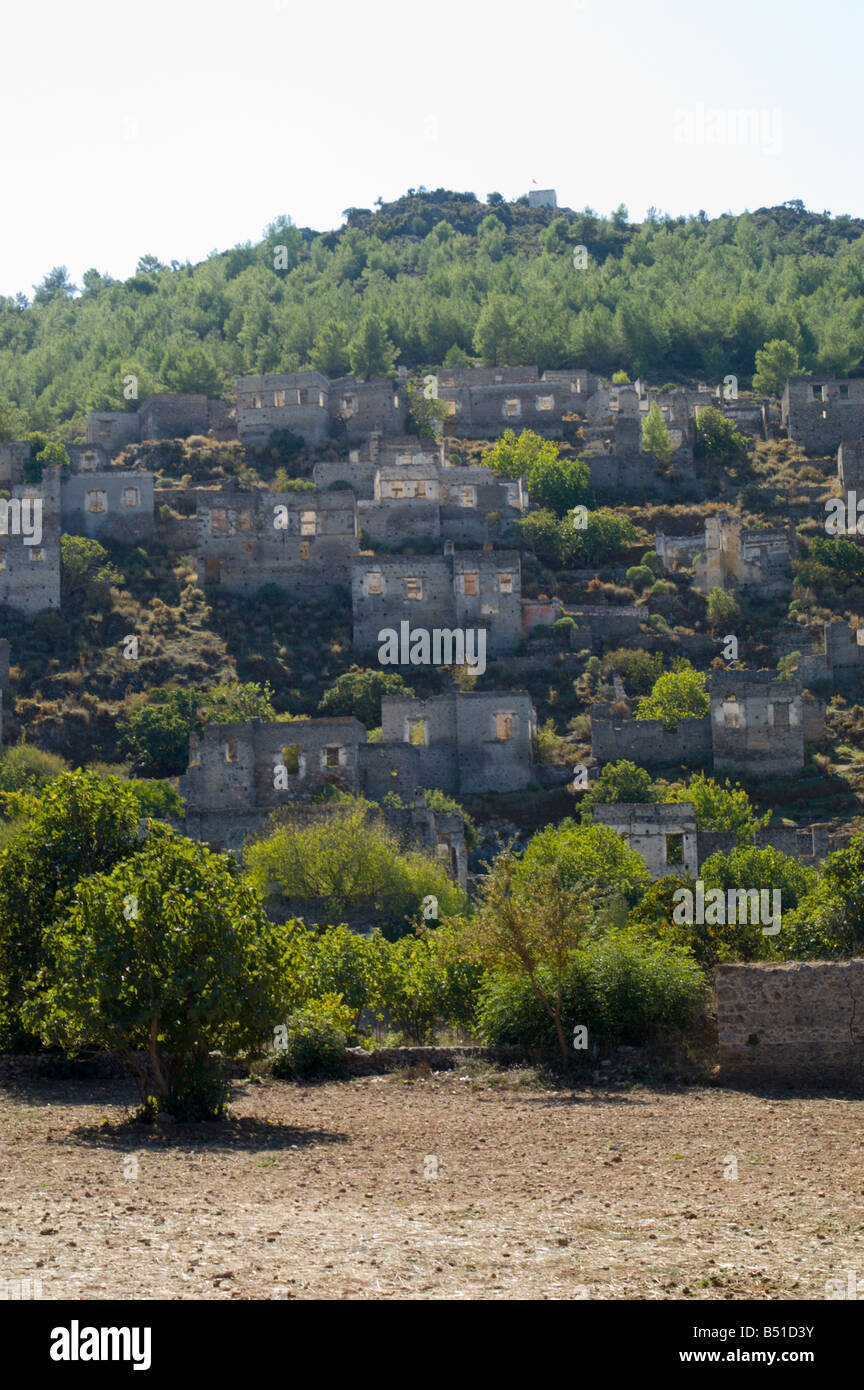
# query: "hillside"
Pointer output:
{"type": "Point", "coordinates": [447, 276]}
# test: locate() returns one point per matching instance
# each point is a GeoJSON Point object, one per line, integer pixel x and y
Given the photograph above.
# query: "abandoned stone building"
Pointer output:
{"type": "Point", "coordinates": [465, 505]}
{"type": "Point", "coordinates": [162, 416]}
{"type": "Point", "coordinates": [459, 589]}
{"type": "Point", "coordinates": [758, 725]}
{"type": "Point", "coordinates": [482, 411]}
{"type": "Point", "coordinates": [114, 504]}
{"type": "Point", "coordinates": [30, 545]}
{"type": "Point", "coordinates": [318, 409]}
{"type": "Point", "coordinates": [836, 659]}
{"type": "Point", "coordinates": [850, 465]}
{"type": "Point", "coordinates": [303, 542]}
{"type": "Point", "coordinates": [821, 413]}
{"type": "Point", "coordinates": [458, 743]}
{"type": "Point", "coordinates": [667, 837]}
{"type": "Point", "coordinates": [729, 556]}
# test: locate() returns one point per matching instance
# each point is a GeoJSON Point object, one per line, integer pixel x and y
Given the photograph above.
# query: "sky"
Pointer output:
{"type": "Point", "coordinates": [183, 127]}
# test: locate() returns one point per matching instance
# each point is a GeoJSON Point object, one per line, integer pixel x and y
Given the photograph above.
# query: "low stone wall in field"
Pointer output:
{"type": "Point", "coordinates": [798, 1022]}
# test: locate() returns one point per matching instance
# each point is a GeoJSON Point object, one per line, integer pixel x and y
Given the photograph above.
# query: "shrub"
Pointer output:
{"type": "Point", "coordinates": [313, 1045]}
{"type": "Point", "coordinates": [623, 988]}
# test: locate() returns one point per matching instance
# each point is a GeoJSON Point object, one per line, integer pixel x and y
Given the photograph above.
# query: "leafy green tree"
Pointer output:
{"type": "Point", "coordinates": [329, 353]}
{"type": "Point", "coordinates": [498, 337]}
{"type": "Point", "coordinates": [592, 859]}
{"type": "Point", "coordinates": [370, 351]}
{"type": "Point", "coordinates": [156, 734]}
{"type": "Point", "coordinates": [56, 285]}
{"type": "Point", "coordinates": [359, 692]}
{"type": "Point", "coordinates": [638, 668]}
{"type": "Point", "coordinates": [86, 572]}
{"type": "Point", "coordinates": [560, 484]}
{"type": "Point", "coordinates": [44, 453]}
{"type": "Point", "coordinates": [621, 781]}
{"type": "Point", "coordinates": [529, 925]}
{"type": "Point", "coordinates": [719, 807]}
{"type": "Point", "coordinates": [515, 456]}
{"type": "Point", "coordinates": [655, 435]}
{"type": "Point", "coordinates": [775, 363]}
{"type": "Point", "coordinates": [620, 378]}
{"type": "Point", "coordinates": [187, 367]}
{"type": "Point", "coordinates": [723, 607]}
{"type": "Point", "coordinates": [169, 955]}
{"type": "Point", "coordinates": [26, 768]}
{"type": "Point", "coordinates": [13, 422]}
{"type": "Point", "coordinates": [677, 694]}
{"type": "Point", "coordinates": [425, 413]}
{"type": "Point", "coordinates": [716, 437]}
{"type": "Point", "coordinates": [353, 859]}
{"type": "Point", "coordinates": [82, 825]}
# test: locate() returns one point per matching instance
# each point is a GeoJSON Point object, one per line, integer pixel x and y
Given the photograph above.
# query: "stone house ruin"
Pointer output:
{"type": "Point", "coordinates": [317, 409]}
{"type": "Point", "coordinates": [162, 416]}
{"type": "Point", "coordinates": [303, 542]}
{"type": "Point", "coordinates": [665, 835]}
{"type": "Point", "coordinates": [458, 743]}
{"type": "Point", "coordinates": [114, 504]}
{"type": "Point", "coordinates": [821, 413]}
{"type": "Point", "coordinates": [459, 589]}
{"type": "Point", "coordinates": [729, 556]}
{"type": "Point", "coordinates": [30, 573]}
{"type": "Point", "coordinates": [758, 725]}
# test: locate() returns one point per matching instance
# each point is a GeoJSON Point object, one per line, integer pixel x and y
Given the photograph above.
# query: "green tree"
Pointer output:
{"type": "Point", "coordinates": [775, 363]}
{"type": "Point", "coordinates": [723, 607]}
{"type": "Point", "coordinates": [592, 859]}
{"type": "Point", "coordinates": [677, 694]}
{"type": "Point", "coordinates": [170, 955]}
{"type": "Point", "coordinates": [56, 285]}
{"type": "Point", "coordinates": [560, 484]}
{"type": "Point", "coordinates": [329, 353]}
{"type": "Point", "coordinates": [359, 692]}
{"type": "Point", "coordinates": [370, 350]}
{"type": "Point", "coordinates": [716, 437]}
{"type": "Point", "coordinates": [82, 825]}
{"type": "Point", "coordinates": [655, 435]}
{"type": "Point", "coordinates": [514, 456]}
{"type": "Point", "coordinates": [86, 572]}
{"type": "Point", "coordinates": [621, 781]}
{"type": "Point", "coordinates": [529, 925]}
{"type": "Point", "coordinates": [13, 422]}
{"type": "Point", "coordinates": [498, 338]}
{"type": "Point", "coordinates": [719, 807]}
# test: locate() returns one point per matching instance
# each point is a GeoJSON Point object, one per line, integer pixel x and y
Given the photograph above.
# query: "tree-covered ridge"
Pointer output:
{"type": "Point", "coordinates": [442, 273]}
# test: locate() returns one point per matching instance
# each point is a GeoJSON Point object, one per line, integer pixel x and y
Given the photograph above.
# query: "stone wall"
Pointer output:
{"type": "Point", "coordinates": [113, 504]}
{"type": "Point", "coordinates": [798, 1022]}
{"type": "Point", "coordinates": [645, 741]}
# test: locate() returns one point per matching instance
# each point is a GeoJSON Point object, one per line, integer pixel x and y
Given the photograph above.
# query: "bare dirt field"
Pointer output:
{"type": "Point", "coordinates": [331, 1192]}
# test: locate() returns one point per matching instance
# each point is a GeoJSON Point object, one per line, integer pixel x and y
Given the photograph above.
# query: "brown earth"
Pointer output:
{"type": "Point", "coordinates": [329, 1192]}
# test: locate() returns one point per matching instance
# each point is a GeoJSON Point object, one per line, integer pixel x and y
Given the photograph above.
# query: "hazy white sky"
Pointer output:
{"type": "Point", "coordinates": [181, 127]}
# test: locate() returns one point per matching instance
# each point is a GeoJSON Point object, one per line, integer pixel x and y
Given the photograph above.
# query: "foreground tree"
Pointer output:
{"type": "Point", "coordinates": [83, 825]}
{"type": "Point", "coordinates": [167, 957]}
{"type": "Point", "coordinates": [528, 925]}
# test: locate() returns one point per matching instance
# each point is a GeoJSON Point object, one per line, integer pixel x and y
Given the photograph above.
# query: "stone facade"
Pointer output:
{"type": "Point", "coordinates": [757, 723]}
{"type": "Point", "coordinates": [802, 1022]}
{"type": "Point", "coordinates": [823, 412]}
{"type": "Point", "coordinates": [729, 556]}
{"type": "Point", "coordinates": [30, 574]}
{"type": "Point", "coordinates": [162, 416]}
{"type": "Point", "coordinates": [114, 504]}
{"type": "Point", "coordinates": [665, 835]}
{"type": "Point", "coordinates": [303, 542]}
{"type": "Point", "coordinates": [646, 741]}
{"type": "Point", "coordinates": [427, 500]}
{"type": "Point", "coordinates": [318, 409]}
{"type": "Point", "coordinates": [466, 743]}
{"type": "Point", "coordinates": [460, 589]}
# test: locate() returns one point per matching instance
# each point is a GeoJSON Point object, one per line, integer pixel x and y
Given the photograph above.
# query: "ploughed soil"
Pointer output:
{"type": "Point", "coordinates": [441, 1187]}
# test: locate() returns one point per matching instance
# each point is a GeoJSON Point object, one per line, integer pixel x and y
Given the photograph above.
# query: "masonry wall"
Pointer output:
{"type": "Point", "coordinates": [821, 412]}
{"type": "Point", "coordinates": [757, 723]}
{"type": "Point", "coordinates": [645, 741]}
{"type": "Point", "coordinates": [232, 766]}
{"type": "Point", "coordinates": [240, 545]}
{"type": "Point", "coordinates": [30, 574]}
{"type": "Point", "coordinates": [464, 752]}
{"type": "Point", "coordinates": [443, 602]}
{"type": "Point", "coordinates": [112, 504]}
{"type": "Point", "coordinates": [802, 1022]}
